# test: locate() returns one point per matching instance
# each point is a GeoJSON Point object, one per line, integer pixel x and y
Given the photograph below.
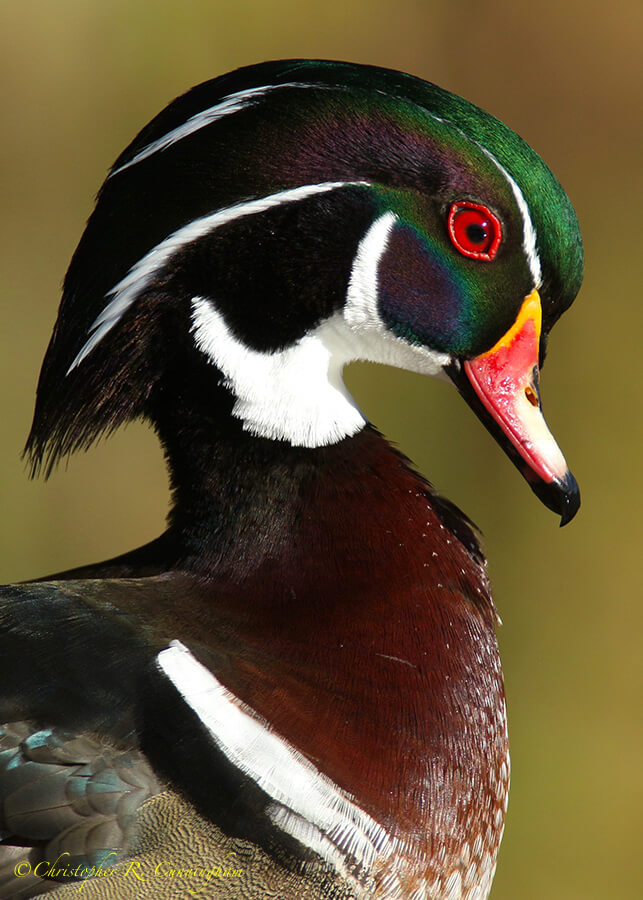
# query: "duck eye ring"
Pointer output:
{"type": "Point", "coordinates": [474, 230]}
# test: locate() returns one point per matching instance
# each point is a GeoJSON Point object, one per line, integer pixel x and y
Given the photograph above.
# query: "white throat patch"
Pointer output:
{"type": "Point", "coordinates": [294, 395]}
{"type": "Point", "coordinates": [297, 394]}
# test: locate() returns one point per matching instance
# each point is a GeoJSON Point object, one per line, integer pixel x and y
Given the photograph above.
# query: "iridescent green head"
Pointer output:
{"type": "Point", "coordinates": [291, 196]}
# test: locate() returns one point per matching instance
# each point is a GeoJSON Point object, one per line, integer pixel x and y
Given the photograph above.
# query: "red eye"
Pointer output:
{"type": "Point", "coordinates": [474, 230]}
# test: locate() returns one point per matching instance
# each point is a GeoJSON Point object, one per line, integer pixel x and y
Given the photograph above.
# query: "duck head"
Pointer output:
{"type": "Point", "coordinates": [276, 223]}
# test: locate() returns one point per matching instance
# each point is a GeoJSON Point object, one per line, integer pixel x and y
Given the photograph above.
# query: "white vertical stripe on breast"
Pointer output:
{"type": "Point", "coordinates": [308, 805]}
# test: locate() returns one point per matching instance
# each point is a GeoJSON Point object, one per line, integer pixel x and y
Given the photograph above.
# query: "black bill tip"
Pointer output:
{"type": "Point", "coordinates": [562, 496]}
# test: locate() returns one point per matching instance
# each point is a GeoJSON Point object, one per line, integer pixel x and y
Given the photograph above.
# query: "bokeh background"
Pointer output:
{"type": "Point", "coordinates": [79, 77]}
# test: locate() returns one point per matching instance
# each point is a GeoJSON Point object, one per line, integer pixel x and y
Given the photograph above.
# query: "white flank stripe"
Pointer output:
{"type": "Point", "coordinates": [228, 106]}
{"type": "Point", "coordinates": [308, 805]}
{"type": "Point", "coordinates": [142, 273]}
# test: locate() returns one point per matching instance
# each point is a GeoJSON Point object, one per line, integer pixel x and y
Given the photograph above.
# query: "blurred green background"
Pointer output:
{"type": "Point", "coordinates": [79, 77]}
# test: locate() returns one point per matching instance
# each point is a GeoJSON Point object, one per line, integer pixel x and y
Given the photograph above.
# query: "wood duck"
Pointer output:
{"type": "Point", "coordinates": [302, 671]}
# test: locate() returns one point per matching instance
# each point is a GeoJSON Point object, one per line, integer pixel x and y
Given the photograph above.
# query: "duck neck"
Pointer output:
{"type": "Point", "coordinates": [236, 497]}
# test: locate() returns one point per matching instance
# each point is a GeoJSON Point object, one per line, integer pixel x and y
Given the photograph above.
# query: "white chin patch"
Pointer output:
{"type": "Point", "coordinates": [297, 394]}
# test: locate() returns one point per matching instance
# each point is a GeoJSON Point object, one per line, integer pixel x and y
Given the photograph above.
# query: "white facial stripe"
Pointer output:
{"type": "Point", "coordinates": [372, 339]}
{"type": "Point", "coordinates": [226, 107]}
{"type": "Point", "coordinates": [142, 273]}
{"type": "Point", "coordinates": [361, 297]}
{"type": "Point", "coordinates": [528, 230]}
{"type": "Point", "coordinates": [307, 804]}
{"type": "Point", "coordinates": [296, 394]}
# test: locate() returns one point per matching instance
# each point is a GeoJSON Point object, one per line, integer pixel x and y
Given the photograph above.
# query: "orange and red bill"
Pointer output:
{"type": "Point", "coordinates": [502, 386]}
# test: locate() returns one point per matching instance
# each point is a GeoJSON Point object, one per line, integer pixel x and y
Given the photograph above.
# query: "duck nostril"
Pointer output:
{"type": "Point", "coordinates": [531, 395]}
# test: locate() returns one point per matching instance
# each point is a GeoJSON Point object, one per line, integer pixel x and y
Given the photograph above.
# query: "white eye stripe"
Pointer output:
{"type": "Point", "coordinates": [142, 273]}
{"type": "Point", "coordinates": [305, 803]}
{"type": "Point", "coordinates": [529, 238]}
{"type": "Point", "coordinates": [228, 106]}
